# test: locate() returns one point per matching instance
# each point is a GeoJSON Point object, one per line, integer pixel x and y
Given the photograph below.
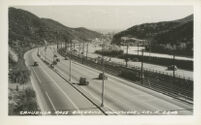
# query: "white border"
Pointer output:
{"type": "Point", "coordinates": [91, 120]}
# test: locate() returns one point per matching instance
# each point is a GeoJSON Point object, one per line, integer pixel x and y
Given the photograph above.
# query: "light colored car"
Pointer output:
{"type": "Point", "coordinates": [172, 67]}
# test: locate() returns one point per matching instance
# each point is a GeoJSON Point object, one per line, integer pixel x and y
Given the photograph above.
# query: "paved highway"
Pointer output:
{"type": "Point", "coordinates": [54, 94]}
{"type": "Point", "coordinates": [120, 96]}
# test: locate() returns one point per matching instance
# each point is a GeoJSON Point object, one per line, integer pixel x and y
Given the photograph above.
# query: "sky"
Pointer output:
{"type": "Point", "coordinates": [108, 17]}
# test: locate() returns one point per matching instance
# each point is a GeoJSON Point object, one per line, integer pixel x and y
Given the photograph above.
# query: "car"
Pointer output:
{"type": "Point", "coordinates": [55, 55]}
{"type": "Point", "coordinates": [58, 60]}
{"type": "Point", "coordinates": [101, 76]}
{"type": "Point", "coordinates": [135, 60]}
{"type": "Point", "coordinates": [52, 66]}
{"type": "Point", "coordinates": [54, 62]}
{"type": "Point", "coordinates": [172, 67]}
{"type": "Point", "coordinates": [35, 63]}
{"type": "Point", "coordinates": [66, 58]}
{"type": "Point", "coordinates": [83, 81]}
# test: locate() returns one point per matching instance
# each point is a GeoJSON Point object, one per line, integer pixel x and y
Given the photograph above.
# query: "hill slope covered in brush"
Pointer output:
{"type": "Point", "coordinates": [164, 36]}
{"type": "Point", "coordinates": [27, 31]}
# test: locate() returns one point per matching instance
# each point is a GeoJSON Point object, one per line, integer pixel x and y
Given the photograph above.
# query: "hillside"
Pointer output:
{"type": "Point", "coordinates": [163, 35]}
{"type": "Point", "coordinates": [26, 28]}
{"type": "Point", "coordinates": [27, 31]}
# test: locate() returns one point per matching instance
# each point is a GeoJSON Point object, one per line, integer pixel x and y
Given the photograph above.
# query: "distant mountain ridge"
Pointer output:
{"type": "Point", "coordinates": [163, 36]}
{"type": "Point", "coordinates": [27, 29]}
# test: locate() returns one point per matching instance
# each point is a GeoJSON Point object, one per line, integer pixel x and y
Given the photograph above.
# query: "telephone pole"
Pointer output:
{"type": "Point", "coordinates": [138, 49]}
{"type": "Point", "coordinates": [70, 61]}
{"type": "Point", "coordinates": [38, 52]}
{"type": "Point", "coordinates": [142, 72]}
{"type": "Point", "coordinates": [83, 53]}
{"type": "Point", "coordinates": [127, 54]}
{"type": "Point", "coordinates": [103, 80]}
{"type": "Point", "coordinates": [173, 67]}
{"type": "Point", "coordinates": [87, 50]}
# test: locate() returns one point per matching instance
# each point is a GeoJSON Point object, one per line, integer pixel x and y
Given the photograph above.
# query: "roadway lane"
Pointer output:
{"type": "Point", "coordinates": [54, 92]}
{"type": "Point", "coordinates": [120, 95]}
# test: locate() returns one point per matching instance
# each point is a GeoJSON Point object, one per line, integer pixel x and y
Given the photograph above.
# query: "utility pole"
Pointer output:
{"type": "Point", "coordinates": [103, 80]}
{"type": "Point", "coordinates": [65, 45]}
{"type": "Point", "coordinates": [70, 61]}
{"type": "Point", "coordinates": [83, 53]}
{"type": "Point", "coordinates": [38, 52]}
{"type": "Point", "coordinates": [57, 45]}
{"type": "Point", "coordinates": [79, 49]}
{"type": "Point", "coordinates": [142, 72]}
{"type": "Point", "coordinates": [173, 67]}
{"type": "Point", "coordinates": [74, 46]}
{"type": "Point", "coordinates": [87, 50]}
{"type": "Point", "coordinates": [138, 49]}
{"type": "Point", "coordinates": [45, 53]}
{"type": "Point", "coordinates": [127, 54]}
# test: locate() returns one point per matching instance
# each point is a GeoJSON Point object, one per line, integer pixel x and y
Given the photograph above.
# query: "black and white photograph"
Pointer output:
{"type": "Point", "coordinates": [102, 60]}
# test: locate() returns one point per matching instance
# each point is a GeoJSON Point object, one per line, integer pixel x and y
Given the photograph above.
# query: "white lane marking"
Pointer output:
{"type": "Point", "coordinates": [37, 95]}
{"type": "Point", "coordinates": [36, 76]}
{"type": "Point", "coordinates": [51, 101]}
{"type": "Point", "coordinates": [98, 100]}
{"type": "Point", "coordinates": [144, 90]}
{"type": "Point", "coordinates": [61, 90]}
{"type": "Point", "coordinates": [87, 91]}
{"type": "Point", "coordinates": [43, 70]}
{"type": "Point", "coordinates": [121, 80]}
{"type": "Point", "coordinates": [83, 88]}
{"type": "Point", "coordinates": [136, 86]}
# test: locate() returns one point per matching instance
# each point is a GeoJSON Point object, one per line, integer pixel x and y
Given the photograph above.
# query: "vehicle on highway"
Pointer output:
{"type": "Point", "coordinates": [172, 67]}
{"type": "Point", "coordinates": [58, 60]}
{"type": "Point", "coordinates": [54, 62]}
{"type": "Point", "coordinates": [135, 60]}
{"type": "Point", "coordinates": [35, 63]}
{"type": "Point", "coordinates": [52, 66]}
{"type": "Point", "coordinates": [101, 76]}
{"type": "Point", "coordinates": [83, 81]}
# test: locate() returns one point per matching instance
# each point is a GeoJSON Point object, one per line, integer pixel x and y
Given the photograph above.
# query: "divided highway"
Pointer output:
{"type": "Point", "coordinates": [55, 93]}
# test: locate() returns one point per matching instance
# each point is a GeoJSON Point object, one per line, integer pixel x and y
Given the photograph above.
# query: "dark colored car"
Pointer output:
{"type": "Point", "coordinates": [66, 58]}
{"type": "Point", "coordinates": [58, 60]}
{"type": "Point", "coordinates": [55, 55]}
{"type": "Point", "coordinates": [101, 76]}
{"type": "Point", "coordinates": [54, 62]}
{"type": "Point", "coordinates": [172, 67]}
{"type": "Point", "coordinates": [83, 81]}
{"type": "Point", "coordinates": [135, 60]}
{"type": "Point", "coordinates": [35, 63]}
